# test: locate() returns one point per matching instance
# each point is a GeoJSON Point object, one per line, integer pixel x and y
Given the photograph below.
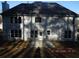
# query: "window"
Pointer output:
{"type": "Point", "coordinates": [19, 33]}
{"type": "Point", "coordinates": [11, 20]}
{"type": "Point", "coordinates": [12, 33]}
{"type": "Point", "coordinates": [15, 20]}
{"type": "Point", "coordinates": [78, 36]}
{"type": "Point", "coordinates": [32, 33]}
{"type": "Point", "coordinates": [36, 33]}
{"type": "Point", "coordinates": [77, 30]}
{"type": "Point", "coordinates": [48, 32]}
{"type": "Point", "coordinates": [38, 19]}
{"type": "Point", "coordinates": [15, 33]}
{"type": "Point", "coordinates": [19, 20]}
{"type": "Point", "coordinates": [67, 34]}
{"type": "Point", "coordinates": [40, 33]}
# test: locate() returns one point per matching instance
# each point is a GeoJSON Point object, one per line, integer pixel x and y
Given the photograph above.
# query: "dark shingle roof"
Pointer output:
{"type": "Point", "coordinates": [45, 8]}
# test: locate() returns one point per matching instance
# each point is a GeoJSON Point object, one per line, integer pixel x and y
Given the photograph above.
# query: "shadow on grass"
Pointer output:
{"type": "Point", "coordinates": [70, 44]}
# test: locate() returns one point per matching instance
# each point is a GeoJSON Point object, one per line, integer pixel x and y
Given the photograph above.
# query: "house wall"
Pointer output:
{"type": "Point", "coordinates": [55, 25]}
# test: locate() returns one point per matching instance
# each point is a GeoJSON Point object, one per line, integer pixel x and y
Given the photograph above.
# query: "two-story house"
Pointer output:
{"type": "Point", "coordinates": [38, 21]}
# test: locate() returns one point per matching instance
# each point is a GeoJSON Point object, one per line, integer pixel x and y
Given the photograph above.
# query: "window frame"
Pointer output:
{"type": "Point", "coordinates": [38, 19]}
{"type": "Point", "coordinates": [11, 20]}
{"type": "Point", "coordinates": [48, 32]}
{"type": "Point", "coordinates": [16, 33]}
{"type": "Point", "coordinates": [77, 30]}
{"type": "Point", "coordinates": [15, 20]}
{"type": "Point", "coordinates": [41, 33]}
{"type": "Point", "coordinates": [68, 34]}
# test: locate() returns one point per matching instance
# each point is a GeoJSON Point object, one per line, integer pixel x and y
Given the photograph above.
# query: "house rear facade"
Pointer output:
{"type": "Point", "coordinates": [39, 21]}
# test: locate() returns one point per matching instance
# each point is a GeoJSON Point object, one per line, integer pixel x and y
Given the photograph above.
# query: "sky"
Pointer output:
{"type": "Point", "coordinates": [72, 5]}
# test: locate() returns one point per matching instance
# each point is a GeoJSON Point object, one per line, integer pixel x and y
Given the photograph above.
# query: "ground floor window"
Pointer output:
{"type": "Point", "coordinates": [34, 33]}
{"type": "Point", "coordinates": [67, 34]}
{"type": "Point", "coordinates": [15, 33]}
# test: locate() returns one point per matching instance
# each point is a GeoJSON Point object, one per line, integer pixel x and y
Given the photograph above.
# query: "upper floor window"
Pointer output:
{"type": "Point", "coordinates": [40, 33]}
{"type": "Point", "coordinates": [19, 19]}
{"type": "Point", "coordinates": [78, 36]}
{"type": "Point", "coordinates": [48, 32]}
{"type": "Point", "coordinates": [38, 19]}
{"type": "Point", "coordinates": [15, 20]}
{"type": "Point", "coordinates": [77, 30]}
{"type": "Point", "coordinates": [11, 20]}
